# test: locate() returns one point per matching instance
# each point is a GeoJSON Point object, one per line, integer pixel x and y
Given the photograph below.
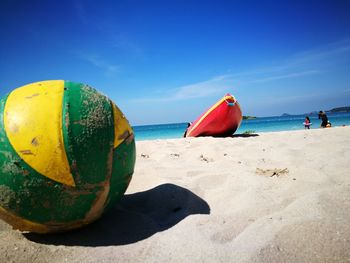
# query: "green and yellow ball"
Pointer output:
{"type": "Point", "coordinates": [66, 154]}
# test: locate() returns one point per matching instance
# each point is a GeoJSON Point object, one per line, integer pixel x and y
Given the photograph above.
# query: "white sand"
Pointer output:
{"type": "Point", "coordinates": [275, 197]}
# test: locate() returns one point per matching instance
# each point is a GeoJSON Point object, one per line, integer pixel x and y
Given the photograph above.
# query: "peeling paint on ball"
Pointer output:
{"type": "Point", "coordinates": [66, 154]}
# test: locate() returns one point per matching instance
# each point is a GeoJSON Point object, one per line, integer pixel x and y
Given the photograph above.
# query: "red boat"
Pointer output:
{"type": "Point", "coordinates": [221, 120]}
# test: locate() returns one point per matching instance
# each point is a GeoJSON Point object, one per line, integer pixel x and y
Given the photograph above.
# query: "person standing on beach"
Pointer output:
{"type": "Point", "coordinates": [188, 125]}
{"type": "Point", "coordinates": [322, 115]}
{"type": "Point", "coordinates": [307, 122]}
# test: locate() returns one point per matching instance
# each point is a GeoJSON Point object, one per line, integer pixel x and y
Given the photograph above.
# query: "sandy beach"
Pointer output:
{"type": "Point", "coordinates": [269, 197]}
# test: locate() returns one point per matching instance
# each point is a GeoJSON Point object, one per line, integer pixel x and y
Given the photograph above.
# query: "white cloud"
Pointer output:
{"type": "Point", "coordinates": [125, 43]}
{"type": "Point", "coordinates": [300, 65]}
{"type": "Point", "coordinates": [214, 86]}
{"type": "Point", "coordinates": [222, 84]}
{"type": "Point", "coordinates": [108, 68]}
{"type": "Point", "coordinates": [203, 89]}
{"type": "Point", "coordinates": [285, 76]}
{"type": "Point", "coordinates": [325, 53]}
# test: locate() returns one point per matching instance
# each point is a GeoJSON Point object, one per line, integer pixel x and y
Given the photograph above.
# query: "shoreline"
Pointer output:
{"type": "Point", "coordinates": [272, 197]}
{"type": "Point", "coordinates": [259, 125]}
{"type": "Point", "coordinates": [250, 134]}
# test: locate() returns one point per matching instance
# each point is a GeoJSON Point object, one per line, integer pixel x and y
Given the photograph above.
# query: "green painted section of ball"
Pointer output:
{"type": "Point", "coordinates": [88, 131]}
{"type": "Point", "coordinates": [124, 158]}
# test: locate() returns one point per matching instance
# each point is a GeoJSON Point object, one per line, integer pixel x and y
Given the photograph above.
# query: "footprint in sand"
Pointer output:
{"type": "Point", "coordinates": [272, 172]}
{"type": "Point", "coordinates": [206, 159]}
{"type": "Point", "coordinates": [174, 155]}
{"type": "Point", "coordinates": [143, 155]}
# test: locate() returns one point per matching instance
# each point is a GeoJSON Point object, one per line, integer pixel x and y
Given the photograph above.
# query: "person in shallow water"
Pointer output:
{"type": "Point", "coordinates": [307, 122]}
{"type": "Point", "coordinates": [325, 122]}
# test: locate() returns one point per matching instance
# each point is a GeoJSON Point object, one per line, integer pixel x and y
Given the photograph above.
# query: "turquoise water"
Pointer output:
{"type": "Point", "coordinates": [263, 124]}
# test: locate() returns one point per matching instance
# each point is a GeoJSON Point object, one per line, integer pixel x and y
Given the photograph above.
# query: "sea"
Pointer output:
{"type": "Point", "coordinates": [258, 125]}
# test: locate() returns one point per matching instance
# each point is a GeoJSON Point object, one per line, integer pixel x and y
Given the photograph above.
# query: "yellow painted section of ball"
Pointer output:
{"type": "Point", "coordinates": [122, 128]}
{"type": "Point", "coordinates": [33, 124]}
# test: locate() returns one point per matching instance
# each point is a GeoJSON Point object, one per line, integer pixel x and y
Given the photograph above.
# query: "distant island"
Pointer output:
{"type": "Point", "coordinates": [285, 115]}
{"type": "Point", "coordinates": [340, 109]}
{"type": "Point", "coordinates": [248, 117]}
{"type": "Point", "coordinates": [334, 110]}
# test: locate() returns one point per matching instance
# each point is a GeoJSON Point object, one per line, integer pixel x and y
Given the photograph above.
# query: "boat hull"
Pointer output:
{"type": "Point", "coordinates": [220, 120]}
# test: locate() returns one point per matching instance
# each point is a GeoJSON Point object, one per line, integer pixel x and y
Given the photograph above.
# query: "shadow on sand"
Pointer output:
{"type": "Point", "coordinates": [136, 217]}
{"type": "Point", "coordinates": [245, 135]}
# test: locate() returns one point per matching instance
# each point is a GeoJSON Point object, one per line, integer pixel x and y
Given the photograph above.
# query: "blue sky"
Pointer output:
{"type": "Point", "coordinates": [168, 61]}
